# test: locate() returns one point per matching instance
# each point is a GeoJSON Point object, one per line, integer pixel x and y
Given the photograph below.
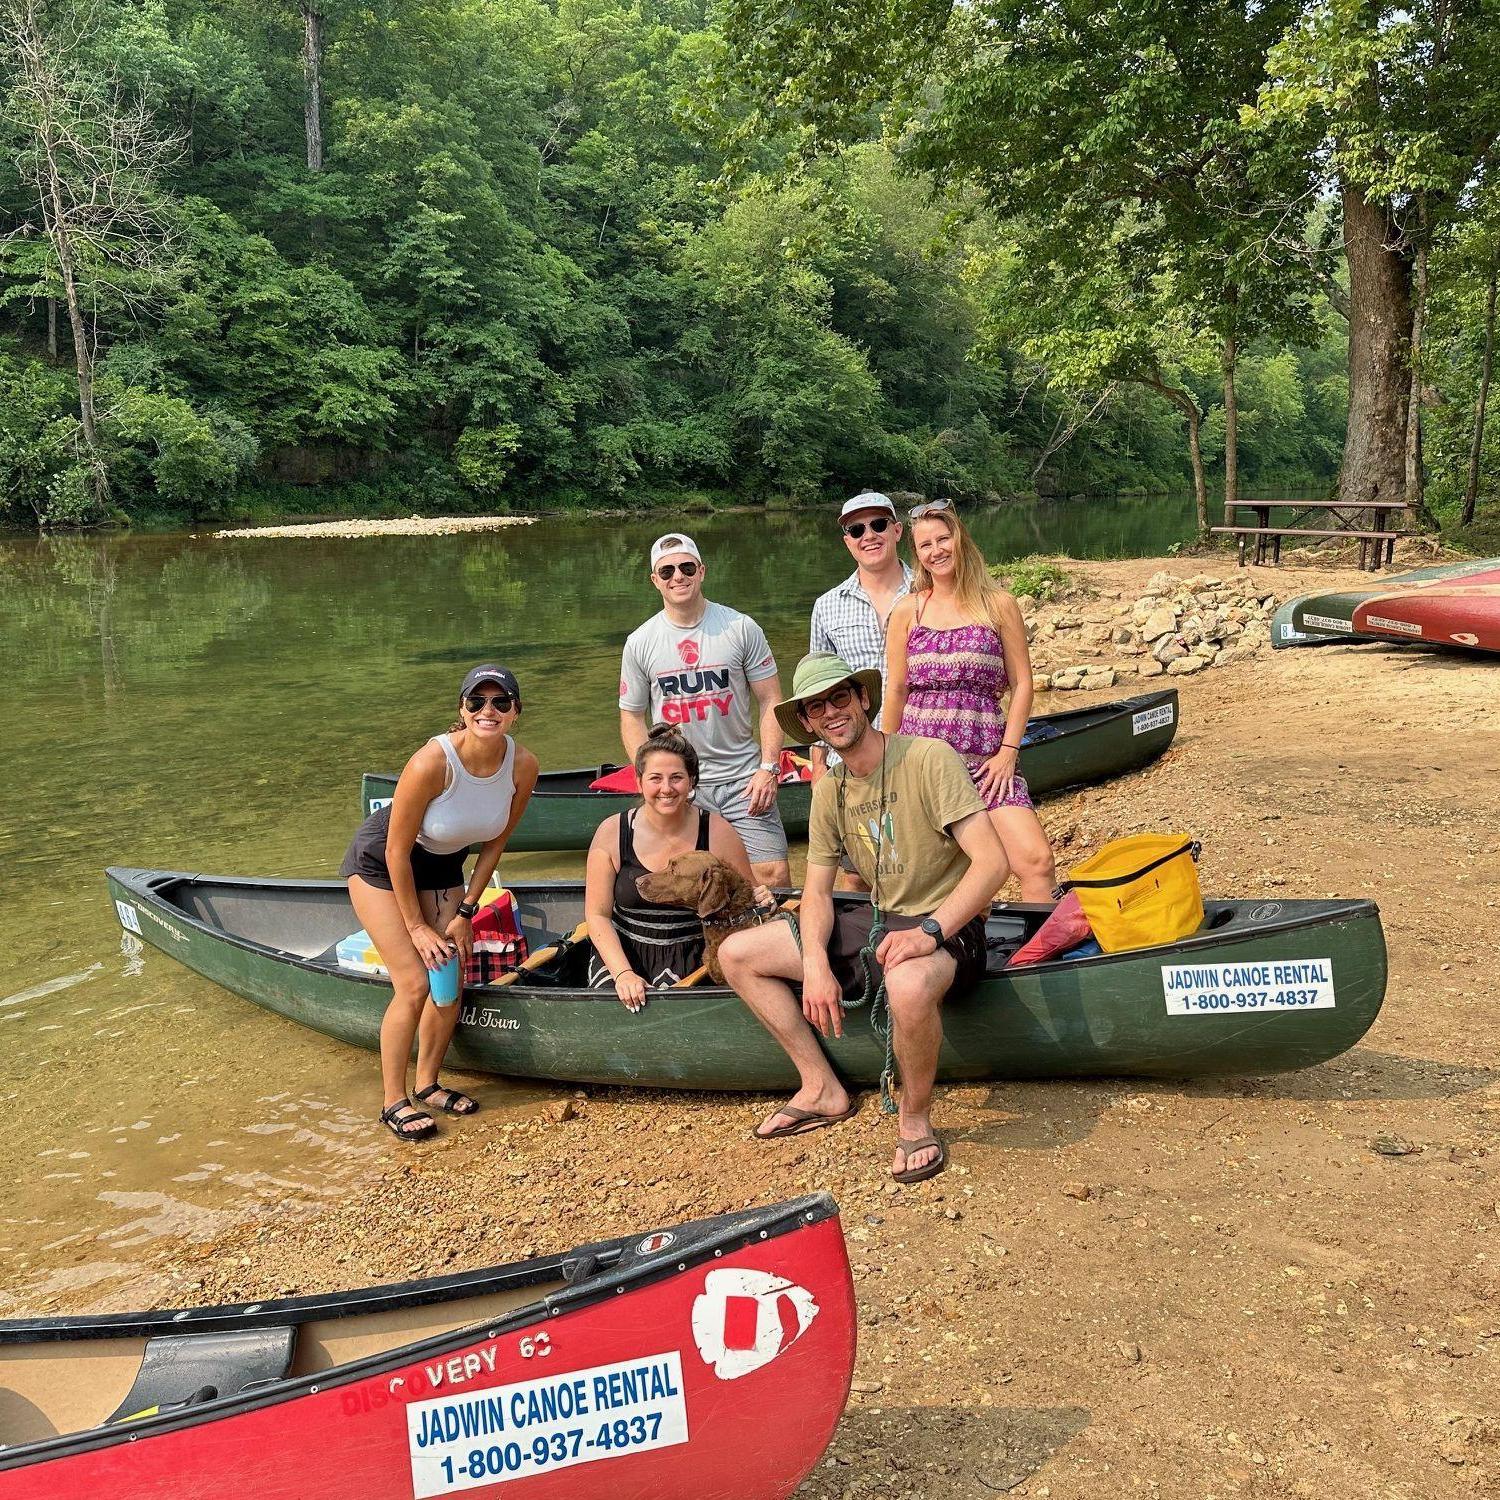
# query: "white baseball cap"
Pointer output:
{"type": "Point", "coordinates": [675, 541]}
{"type": "Point", "coordinates": [867, 500]}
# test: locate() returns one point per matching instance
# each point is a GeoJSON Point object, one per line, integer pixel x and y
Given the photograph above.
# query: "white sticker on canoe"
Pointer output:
{"type": "Point", "coordinates": [1464, 638]}
{"type": "Point", "coordinates": [1151, 718]}
{"type": "Point", "coordinates": [1327, 622]}
{"type": "Point", "coordinates": [376, 803]}
{"type": "Point", "coordinates": [128, 919]}
{"type": "Point", "coordinates": [1281, 984]}
{"type": "Point", "coordinates": [536, 1426]}
{"type": "Point", "coordinates": [743, 1319]}
{"type": "Point", "coordinates": [1406, 627]}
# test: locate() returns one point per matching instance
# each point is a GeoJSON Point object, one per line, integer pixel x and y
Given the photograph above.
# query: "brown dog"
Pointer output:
{"type": "Point", "coordinates": [703, 883]}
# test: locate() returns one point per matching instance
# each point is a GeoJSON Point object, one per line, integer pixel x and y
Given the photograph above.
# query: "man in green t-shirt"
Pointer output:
{"type": "Point", "coordinates": [907, 815]}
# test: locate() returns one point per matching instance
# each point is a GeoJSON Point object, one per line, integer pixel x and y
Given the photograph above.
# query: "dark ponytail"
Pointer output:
{"type": "Point", "coordinates": [669, 741]}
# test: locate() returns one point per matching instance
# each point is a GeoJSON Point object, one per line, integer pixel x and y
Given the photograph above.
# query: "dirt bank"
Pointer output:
{"type": "Point", "coordinates": [1208, 1289]}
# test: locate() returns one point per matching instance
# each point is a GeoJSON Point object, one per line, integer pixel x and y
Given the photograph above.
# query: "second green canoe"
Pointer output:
{"type": "Point", "coordinates": [1060, 750]}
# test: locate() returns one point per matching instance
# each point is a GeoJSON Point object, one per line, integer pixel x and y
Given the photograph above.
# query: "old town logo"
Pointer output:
{"type": "Point", "coordinates": [688, 651]}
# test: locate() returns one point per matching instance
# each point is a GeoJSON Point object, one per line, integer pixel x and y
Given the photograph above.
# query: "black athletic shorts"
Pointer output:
{"type": "Point", "coordinates": [851, 931]}
{"type": "Point", "coordinates": [366, 858]}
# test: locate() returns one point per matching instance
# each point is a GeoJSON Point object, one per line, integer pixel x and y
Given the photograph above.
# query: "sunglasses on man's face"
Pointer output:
{"type": "Point", "coordinates": [687, 569]}
{"type": "Point", "coordinates": [929, 508]}
{"type": "Point", "coordinates": [815, 708]}
{"type": "Point", "coordinates": [502, 702]}
{"type": "Point", "coordinates": [856, 529]}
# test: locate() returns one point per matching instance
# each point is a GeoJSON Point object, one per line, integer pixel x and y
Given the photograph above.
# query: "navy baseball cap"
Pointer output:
{"type": "Point", "coordinates": [503, 676]}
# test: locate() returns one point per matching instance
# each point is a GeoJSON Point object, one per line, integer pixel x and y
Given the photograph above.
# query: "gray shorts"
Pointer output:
{"type": "Point", "coordinates": [764, 837]}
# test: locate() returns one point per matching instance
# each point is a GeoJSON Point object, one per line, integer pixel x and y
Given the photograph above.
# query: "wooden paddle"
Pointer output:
{"type": "Point", "coordinates": [701, 972]}
{"type": "Point", "coordinates": [541, 956]}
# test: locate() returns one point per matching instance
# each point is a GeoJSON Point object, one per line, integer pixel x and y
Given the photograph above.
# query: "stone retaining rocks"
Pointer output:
{"type": "Point", "coordinates": [1179, 626]}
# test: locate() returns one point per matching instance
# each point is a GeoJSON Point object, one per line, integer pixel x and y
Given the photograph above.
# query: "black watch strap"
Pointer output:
{"type": "Point", "coordinates": [467, 908]}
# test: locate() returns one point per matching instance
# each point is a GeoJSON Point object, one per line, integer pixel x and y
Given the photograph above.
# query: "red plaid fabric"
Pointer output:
{"type": "Point", "coordinates": [499, 944]}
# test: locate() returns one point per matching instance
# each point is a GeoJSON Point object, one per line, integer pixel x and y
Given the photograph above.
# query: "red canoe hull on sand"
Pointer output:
{"type": "Point", "coordinates": [722, 1379]}
{"type": "Point", "coordinates": [1461, 614]}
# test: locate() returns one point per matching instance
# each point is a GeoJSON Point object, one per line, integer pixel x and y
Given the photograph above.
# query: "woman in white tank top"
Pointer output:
{"type": "Point", "coordinates": [405, 870]}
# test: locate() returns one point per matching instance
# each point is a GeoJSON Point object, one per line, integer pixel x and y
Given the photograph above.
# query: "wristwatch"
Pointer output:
{"type": "Point", "coordinates": [770, 766]}
{"type": "Point", "coordinates": [468, 908]}
{"type": "Point", "coordinates": [933, 928]}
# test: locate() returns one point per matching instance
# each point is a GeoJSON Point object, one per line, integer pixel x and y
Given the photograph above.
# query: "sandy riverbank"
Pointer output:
{"type": "Point", "coordinates": [1207, 1289]}
{"type": "Point", "coordinates": [402, 526]}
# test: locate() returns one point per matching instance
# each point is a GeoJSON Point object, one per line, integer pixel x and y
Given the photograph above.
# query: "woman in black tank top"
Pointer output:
{"type": "Point", "coordinates": [640, 944]}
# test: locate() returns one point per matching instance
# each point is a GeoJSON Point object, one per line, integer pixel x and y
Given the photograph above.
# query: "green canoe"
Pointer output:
{"type": "Point", "coordinates": [1266, 986]}
{"type": "Point", "coordinates": [1060, 750]}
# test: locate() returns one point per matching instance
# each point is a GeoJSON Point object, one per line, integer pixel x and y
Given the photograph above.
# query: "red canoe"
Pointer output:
{"type": "Point", "coordinates": [705, 1362]}
{"type": "Point", "coordinates": [1457, 614]}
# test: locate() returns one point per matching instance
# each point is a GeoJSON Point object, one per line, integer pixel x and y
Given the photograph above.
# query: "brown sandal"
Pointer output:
{"type": "Point", "coordinates": [804, 1120]}
{"type": "Point", "coordinates": [909, 1149]}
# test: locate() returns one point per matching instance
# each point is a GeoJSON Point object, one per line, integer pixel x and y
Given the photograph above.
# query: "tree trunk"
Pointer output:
{"type": "Point", "coordinates": [1374, 462]}
{"type": "Point", "coordinates": [1185, 402]}
{"type": "Point", "coordinates": [1413, 468]}
{"type": "Point", "coordinates": [83, 358]}
{"type": "Point", "coordinates": [312, 73]}
{"type": "Point", "coordinates": [52, 329]}
{"type": "Point", "coordinates": [1487, 365]}
{"type": "Point", "coordinates": [1231, 430]}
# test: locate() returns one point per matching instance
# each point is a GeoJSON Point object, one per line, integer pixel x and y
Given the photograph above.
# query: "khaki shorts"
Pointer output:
{"type": "Point", "coordinates": [764, 838]}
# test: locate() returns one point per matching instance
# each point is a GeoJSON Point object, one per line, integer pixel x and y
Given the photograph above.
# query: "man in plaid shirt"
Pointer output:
{"type": "Point", "coordinates": [849, 621]}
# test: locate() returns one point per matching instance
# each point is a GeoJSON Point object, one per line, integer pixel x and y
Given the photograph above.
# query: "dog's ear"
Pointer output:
{"type": "Point", "coordinates": [713, 890]}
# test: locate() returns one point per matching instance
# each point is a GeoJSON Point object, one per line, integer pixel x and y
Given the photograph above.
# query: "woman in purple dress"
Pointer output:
{"type": "Point", "coordinates": [953, 646]}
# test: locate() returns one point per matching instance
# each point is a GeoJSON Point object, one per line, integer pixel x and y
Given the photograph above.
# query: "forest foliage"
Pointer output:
{"type": "Point", "coordinates": [507, 254]}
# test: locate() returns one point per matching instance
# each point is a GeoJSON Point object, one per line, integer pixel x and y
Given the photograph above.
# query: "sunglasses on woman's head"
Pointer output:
{"type": "Point", "coordinates": [856, 529]}
{"type": "Point", "coordinates": [928, 507]}
{"type": "Point", "coordinates": [687, 569]}
{"type": "Point", "coordinates": [503, 702]}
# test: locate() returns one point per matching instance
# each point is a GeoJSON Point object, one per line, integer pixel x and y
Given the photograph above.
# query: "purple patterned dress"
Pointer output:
{"type": "Point", "coordinates": [954, 681]}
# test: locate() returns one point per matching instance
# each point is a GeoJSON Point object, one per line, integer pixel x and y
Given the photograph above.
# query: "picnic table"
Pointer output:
{"type": "Point", "coordinates": [1377, 539]}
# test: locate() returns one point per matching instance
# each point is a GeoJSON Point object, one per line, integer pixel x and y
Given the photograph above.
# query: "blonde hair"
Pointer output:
{"type": "Point", "coordinates": [976, 590]}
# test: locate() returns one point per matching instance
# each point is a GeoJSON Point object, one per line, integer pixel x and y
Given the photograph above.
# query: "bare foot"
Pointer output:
{"type": "Point", "coordinates": [913, 1128]}
{"type": "Point", "coordinates": [830, 1100]}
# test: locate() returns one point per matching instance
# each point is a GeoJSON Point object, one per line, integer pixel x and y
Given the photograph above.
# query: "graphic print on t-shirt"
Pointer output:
{"type": "Point", "coordinates": [698, 679]}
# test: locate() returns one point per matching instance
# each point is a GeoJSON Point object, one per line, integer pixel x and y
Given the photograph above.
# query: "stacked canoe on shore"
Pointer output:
{"type": "Point", "coordinates": [1063, 750]}
{"type": "Point", "coordinates": [1456, 604]}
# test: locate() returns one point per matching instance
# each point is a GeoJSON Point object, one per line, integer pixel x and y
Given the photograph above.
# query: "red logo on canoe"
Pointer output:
{"type": "Point", "coordinates": [688, 651]}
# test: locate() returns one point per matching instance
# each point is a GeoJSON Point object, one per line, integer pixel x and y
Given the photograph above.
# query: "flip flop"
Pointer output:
{"type": "Point", "coordinates": [804, 1120]}
{"type": "Point", "coordinates": [458, 1102]}
{"type": "Point", "coordinates": [910, 1148]}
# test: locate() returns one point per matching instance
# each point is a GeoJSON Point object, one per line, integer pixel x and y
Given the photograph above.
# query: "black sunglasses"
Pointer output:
{"type": "Point", "coordinates": [503, 702]}
{"type": "Point", "coordinates": [856, 529]}
{"type": "Point", "coordinates": [689, 569]}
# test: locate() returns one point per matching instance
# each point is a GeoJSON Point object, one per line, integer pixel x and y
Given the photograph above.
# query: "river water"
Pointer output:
{"type": "Point", "coordinates": [185, 703]}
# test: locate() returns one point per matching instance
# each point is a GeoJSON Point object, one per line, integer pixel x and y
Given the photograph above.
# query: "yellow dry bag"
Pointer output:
{"type": "Point", "coordinates": [1140, 891]}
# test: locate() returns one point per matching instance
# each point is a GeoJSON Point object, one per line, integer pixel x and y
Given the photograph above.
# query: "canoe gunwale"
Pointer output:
{"type": "Point", "coordinates": [740, 1231]}
{"type": "Point", "coordinates": [1321, 913]}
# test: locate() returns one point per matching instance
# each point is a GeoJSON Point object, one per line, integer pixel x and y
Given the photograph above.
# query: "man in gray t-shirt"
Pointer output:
{"type": "Point", "coordinates": [708, 670]}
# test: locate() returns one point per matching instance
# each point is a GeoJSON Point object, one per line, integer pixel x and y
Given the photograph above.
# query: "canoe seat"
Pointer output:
{"type": "Point", "coordinates": [180, 1368]}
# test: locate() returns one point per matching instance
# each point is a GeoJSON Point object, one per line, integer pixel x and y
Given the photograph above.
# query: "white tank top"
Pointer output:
{"type": "Point", "coordinates": [470, 809]}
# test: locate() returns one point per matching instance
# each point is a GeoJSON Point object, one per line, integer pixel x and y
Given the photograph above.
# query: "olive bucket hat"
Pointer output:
{"type": "Point", "coordinates": [817, 674]}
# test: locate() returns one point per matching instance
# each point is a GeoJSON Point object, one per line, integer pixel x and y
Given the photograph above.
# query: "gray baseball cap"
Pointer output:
{"type": "Point", "coordinates": [867, 500]}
